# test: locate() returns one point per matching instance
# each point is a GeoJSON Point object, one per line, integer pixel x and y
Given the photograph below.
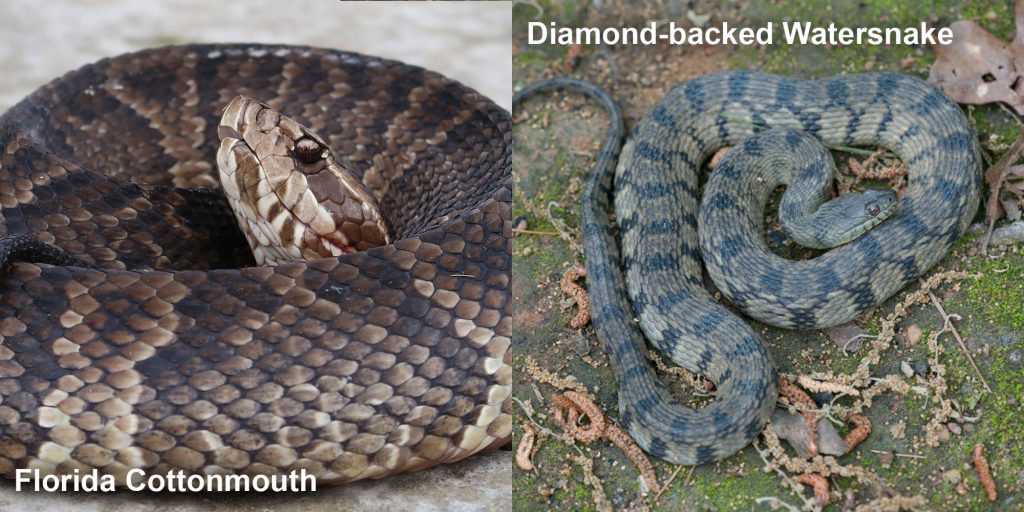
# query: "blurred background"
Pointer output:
{"type": "Point", "coordinates": [468, 41]}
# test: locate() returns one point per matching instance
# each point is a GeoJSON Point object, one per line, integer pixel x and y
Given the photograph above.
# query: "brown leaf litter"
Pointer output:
{"type": "Point", "coordinates": [978, 67]}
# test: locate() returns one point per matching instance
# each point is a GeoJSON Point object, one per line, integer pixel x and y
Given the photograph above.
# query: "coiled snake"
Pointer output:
{"type": "Point", "coordinates": [657, 191]}
{"type": "Point", "coordinates": [158, 343]}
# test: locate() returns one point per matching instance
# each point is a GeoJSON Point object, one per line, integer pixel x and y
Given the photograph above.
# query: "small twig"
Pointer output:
{"type": "Point", "coordinates": [848, 149]}
{"type": "Point", "coordinates": [988, 236]}
{"type": "Point", "coordinates": [775, 502]}
{"type": "Point", "coordinates": [689, 476]}
{"type": "Point", "coordinates": [905, 455]}
{"type": "Point", "coordinates": [534, 232]}
{"type": "Point", "coordinates": [850, 341]}
{"type": "Point", "coordinates": [956, 334]}
{"type": "Point", "coordinates": [669, 482]}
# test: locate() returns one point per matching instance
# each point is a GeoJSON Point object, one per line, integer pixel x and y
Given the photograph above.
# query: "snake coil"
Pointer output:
{"type": "Point", "coordinates": [658, 277]}
{"type": "Point", "coordinates": [173, 351]}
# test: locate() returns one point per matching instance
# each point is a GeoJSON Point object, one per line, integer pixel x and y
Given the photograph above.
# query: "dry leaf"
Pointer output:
{"type": "Point", "coordinates": [978, 67]}
{"type": "Point", "coordinates": [793, 429]}
{"type": "Point", "coordinates": [846, 336]}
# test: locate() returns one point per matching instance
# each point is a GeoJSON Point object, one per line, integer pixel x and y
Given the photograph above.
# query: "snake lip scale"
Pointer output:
{"type": "Point", "coordinates": [655, 273]}
{"type": "Point", "coordinates": [136, 330]}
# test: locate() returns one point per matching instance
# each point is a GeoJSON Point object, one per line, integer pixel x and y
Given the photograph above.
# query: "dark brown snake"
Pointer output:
{"type": "Point", "coordinates": [156, 343]}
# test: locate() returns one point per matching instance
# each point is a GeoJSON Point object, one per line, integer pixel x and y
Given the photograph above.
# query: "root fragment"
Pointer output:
{"type": "Point", "coordinates": [984, 473]}
{"type": "Point", "coordinates": [575, 405]}
{"type": "Point", "coordinates": [860, 432]}
{"type": "Point", "coordinates": [525, 448]}
{"type": "Point", "coordinates": [807, 408]}
{"type": "Point", "coordinates": [625, 443]}
{"type": "Point", "coordinates": [820, 486]}
{"type": "Point", "coordinates": [572, 288]}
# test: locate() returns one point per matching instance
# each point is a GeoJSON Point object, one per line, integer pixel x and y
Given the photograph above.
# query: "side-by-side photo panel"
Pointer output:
{"type": "Point", "coordinates": [767, 256]}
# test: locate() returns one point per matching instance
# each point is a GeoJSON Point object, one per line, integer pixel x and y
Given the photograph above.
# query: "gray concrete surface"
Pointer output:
{"type": "Point", "coordinates": [470, 42]}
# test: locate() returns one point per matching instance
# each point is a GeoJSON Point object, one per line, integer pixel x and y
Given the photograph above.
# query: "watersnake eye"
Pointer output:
{"type": "Point", "coordinates": [874, 210]}
{"type": "Point", "coordinates": [308, 151]}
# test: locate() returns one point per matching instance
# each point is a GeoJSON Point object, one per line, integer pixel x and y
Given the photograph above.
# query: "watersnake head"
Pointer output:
{"type": "Point", "coordinates": [848, 216]}
{"type": "Point", "coordinates": [292, 199]}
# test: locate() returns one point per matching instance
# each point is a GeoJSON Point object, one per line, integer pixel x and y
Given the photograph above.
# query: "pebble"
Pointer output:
{"type": "Point", "coordinates": [886, 459]}
{"type": "Point", "coordinates": [913, 334]}
{"type": "Point", "coordinates": [1016, 358]}
{"type": "Point", "coordinates": [907, 370]}
{"type": "Point", "coordinates": [951, 477]}
{"type": "Point", "coordinates": [943, 433]}
{"type": "Point", "coordinates": [954, 427]}
{"type": "Point", "coordinates": [580, 345]}
{"type": "Point", "coordinates": [921, 367]}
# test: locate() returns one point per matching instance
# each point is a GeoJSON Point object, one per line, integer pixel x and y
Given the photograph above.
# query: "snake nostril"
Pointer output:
{"type": "Point", "coordinates": [308, 151]}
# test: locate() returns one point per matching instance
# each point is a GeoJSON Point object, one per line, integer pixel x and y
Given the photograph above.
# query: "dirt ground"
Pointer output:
{"type": "Point", "coordinates": [944, 402]}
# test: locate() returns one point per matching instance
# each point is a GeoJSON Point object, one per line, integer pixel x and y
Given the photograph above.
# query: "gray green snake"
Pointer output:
{"type": "Point", "coordinates": [652, 271]}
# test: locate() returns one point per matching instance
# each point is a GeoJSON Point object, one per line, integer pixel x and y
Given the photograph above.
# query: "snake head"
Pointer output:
{"type": "Point", "coordinates": [292, 199]}
{"type": "Point", "coordinates": [849, 216]}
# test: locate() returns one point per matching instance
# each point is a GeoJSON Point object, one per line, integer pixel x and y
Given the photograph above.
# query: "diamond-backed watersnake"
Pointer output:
{"type": "Point", "coordinates": [648, 283]}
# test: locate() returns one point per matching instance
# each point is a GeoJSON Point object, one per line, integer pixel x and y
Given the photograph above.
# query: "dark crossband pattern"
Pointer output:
{"type": "Point", "coordinates": [166, 354]}
{"type": "Point", "coordinates": [658, 278]}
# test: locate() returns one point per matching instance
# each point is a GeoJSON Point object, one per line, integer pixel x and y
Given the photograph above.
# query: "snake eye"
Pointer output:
{"type": "Point", "coordinates": [874, 210]}
{"type": "Point", "coordinates": [308, 151]}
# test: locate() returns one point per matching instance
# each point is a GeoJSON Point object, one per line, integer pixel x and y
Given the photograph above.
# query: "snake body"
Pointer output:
{"type": "Point", "coordinates": [658, 278]}
{"type": "Point", "coordinates": [160, 344]}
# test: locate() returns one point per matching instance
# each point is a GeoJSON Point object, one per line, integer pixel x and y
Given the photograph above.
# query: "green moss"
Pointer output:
{"type": "Point", "coordinates": [997, 295]}
{"type": "Point", "coordinates": [721, 487]}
